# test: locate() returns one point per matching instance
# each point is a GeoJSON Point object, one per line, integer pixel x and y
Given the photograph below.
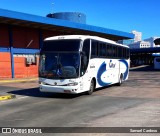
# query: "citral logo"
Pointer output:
{"type": "Point", "coordinates": [111, 64]}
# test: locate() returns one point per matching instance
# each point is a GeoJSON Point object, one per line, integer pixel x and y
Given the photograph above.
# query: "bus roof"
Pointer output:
{"type": "Point", "coordinates": [83, 37]}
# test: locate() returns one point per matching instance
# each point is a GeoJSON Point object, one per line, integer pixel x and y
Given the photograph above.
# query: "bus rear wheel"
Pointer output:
{"type": "Point", "coordinates": [120, 80]}
{"type": "Point", "coordinates": [92, 87]}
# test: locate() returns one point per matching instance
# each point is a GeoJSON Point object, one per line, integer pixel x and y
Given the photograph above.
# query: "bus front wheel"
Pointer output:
{"type": "Point", "coordinates": [92, 87]}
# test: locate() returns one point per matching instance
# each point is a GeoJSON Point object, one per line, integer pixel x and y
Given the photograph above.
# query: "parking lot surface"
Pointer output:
{"type": "Point", "coordinates": [134, 104]}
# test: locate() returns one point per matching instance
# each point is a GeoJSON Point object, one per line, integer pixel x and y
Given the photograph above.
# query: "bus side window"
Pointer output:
{"type": "Point", "coordinates": [120, 52]}
{"type": "Point", "coordinates": [102, 49]}
{"type": "Point", "coordinates": [94, 49]}
{"type": "Point", "coordinates": [114, 52]}
{"type": "Point", "coordinates": [124, 53]}
{"type": "Point", "coordinates": [128, 53]}
{"type": "Point", "coordinates": [86, 48]}
{"type": "Point", "coordinates": [109, 50]}
{"type": "Point", "coordinates": [85, 56]}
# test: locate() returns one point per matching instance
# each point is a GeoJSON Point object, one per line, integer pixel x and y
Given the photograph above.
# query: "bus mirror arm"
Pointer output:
{"type": "Point", "coordinates": [82, 53]}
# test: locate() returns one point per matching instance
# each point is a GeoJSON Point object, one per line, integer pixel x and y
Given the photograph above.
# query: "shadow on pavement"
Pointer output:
{"type": "Point", "coordinates": [34, 92]}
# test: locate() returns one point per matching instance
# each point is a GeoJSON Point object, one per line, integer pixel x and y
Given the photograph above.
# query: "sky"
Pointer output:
{"type": "Point", "coordinates": [122, 15]}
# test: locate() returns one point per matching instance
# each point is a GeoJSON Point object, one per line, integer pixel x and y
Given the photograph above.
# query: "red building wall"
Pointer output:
{"type": "Point", "coordinates": [22, 70]}
{"type": "Point", "coordinates": [46, 33]}
{"type": "Point", "coordinates": [22, 37]}
{"type": "Point", "coordinates": [5, 65]}
{"type": "Point", "coordinates": [4, 36]}
{"type": "Point", "coordinates": [5, 58]}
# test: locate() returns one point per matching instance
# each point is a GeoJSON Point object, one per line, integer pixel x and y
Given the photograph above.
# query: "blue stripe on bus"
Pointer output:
{"type": "Point", "coordinates": [101, 70]}
{"type": "Point", "coordinates": [125, 74]}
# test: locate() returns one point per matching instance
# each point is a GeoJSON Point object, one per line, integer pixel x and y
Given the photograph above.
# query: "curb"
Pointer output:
{"type": "Point", "coordinates": [18, 80]}
{"type": "Point", "coordinates": [7, 97]}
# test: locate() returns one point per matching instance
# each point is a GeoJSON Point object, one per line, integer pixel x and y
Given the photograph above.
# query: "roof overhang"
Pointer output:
{"type": "Point", "coordinates": [45, 23]}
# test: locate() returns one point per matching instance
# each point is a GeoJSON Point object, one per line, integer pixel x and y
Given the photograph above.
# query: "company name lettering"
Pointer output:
{"type": "Point", "coordinates": [112, 65]}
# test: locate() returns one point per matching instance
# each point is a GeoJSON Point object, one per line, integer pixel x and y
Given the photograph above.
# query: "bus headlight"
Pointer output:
{"type": "Point", "coordinates": [72, 84]}
{"type": "Point", "coordinates": [42, 83]}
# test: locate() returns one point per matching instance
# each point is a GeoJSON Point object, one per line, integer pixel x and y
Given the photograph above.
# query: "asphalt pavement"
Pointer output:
{"type": "Point", "coordinates": [5, 91]}
{"type": "Point", "coordinates": [6, 95]}
{"type": "Point", "coordinates": [136, 103]}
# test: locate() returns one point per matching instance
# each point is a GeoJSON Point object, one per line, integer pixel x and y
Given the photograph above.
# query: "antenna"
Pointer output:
{"type": "Point", "coordinates": [52, 9]}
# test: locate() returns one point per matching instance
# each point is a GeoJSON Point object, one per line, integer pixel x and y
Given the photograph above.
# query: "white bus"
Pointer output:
{"type": "Point", "coordinates": [77, 63]}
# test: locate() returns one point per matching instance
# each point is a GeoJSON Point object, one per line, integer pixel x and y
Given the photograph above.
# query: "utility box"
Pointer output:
{"type": "Point", "coordinates": [31, 60]}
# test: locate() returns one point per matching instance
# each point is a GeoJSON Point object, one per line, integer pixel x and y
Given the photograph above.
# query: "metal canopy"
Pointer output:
{"type": "Point", "coordinates": [44, 23]}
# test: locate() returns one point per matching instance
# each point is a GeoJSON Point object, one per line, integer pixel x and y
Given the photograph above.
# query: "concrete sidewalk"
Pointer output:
{"type": "Point", "coordinates": [16, 80]}
{"type": "Point", "coordinates": [6, 96]}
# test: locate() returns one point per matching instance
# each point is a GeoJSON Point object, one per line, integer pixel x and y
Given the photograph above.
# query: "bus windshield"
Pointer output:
{"type": "Point", "coordinates": [62, 45]}
{"type": "Point", "coordinates": [59, 65]}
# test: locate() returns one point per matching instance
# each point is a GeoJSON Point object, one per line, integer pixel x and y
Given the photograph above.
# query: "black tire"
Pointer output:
{"type": "Point", "coordinates": [120, 80]}
{"type": "Point", "coordinates": [92, 87]}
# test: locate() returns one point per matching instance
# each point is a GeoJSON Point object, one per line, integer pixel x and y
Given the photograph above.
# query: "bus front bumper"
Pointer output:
{"type": "Point", "coordinates": [58, 89]}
